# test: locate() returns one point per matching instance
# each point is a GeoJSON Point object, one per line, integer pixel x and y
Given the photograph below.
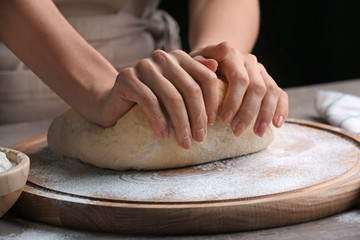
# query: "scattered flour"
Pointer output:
{"type": "Point", "coordinates": [43, 232]}
{"type": "Point", "coordinates": [299, 157]}
{"type": "Point", "coordinates": [352, 217]}
{"type": "Point", "coordinates": [5, 163]}
{"type": "Point", "coordinates": [38, 235]}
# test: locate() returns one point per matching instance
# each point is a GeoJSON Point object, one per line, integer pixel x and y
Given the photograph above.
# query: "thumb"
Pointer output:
{"type": "Point", "coordinates": [207, 62]}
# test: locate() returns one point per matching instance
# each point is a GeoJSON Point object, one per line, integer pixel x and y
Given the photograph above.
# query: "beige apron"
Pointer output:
{"type": "Point", "coordinates": [131, 31]}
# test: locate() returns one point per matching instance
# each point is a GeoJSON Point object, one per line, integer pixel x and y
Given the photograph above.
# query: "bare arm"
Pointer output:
{"type": "Point", "coordinates": [226, 31]}
{"type": "Point", "coordinates": [41, 37]}
{"type": "Point", "coordinates": [215, 21]}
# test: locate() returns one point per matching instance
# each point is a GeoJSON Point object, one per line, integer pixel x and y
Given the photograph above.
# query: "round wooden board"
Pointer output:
{"type": "Point", "coordinates": [310, 171]}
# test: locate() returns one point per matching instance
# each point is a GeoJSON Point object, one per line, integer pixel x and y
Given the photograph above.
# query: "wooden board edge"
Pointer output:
{"type": "Point", "coordinates": [205, 218]}
{"type": "Point", "coordinates": [168, 219]}
{"type": "Point", "coordinates": [39, 141]}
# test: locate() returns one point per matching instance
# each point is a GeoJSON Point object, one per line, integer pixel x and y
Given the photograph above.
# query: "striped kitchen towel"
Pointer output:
{"type": "Point", "coordinates": [339, 109]}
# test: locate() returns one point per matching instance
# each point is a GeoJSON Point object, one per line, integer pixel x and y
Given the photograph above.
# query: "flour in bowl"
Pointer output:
{"type": "Point", "coordinates": [5, 163]}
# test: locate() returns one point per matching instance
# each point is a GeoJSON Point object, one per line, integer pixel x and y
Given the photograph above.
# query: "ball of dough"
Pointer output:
{"type": "Point", "coordinates": [132, 144]}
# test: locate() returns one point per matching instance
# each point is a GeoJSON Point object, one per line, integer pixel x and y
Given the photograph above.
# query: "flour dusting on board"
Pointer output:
{"type": "Point", "coordinates": [299, 157]}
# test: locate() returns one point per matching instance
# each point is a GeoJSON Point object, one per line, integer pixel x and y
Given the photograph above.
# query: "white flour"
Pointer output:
{"type": "Point", "coordinates": [299, 157]}
{"type": "Point", "coordinates": [41, 235]}
{"type": "Point", "coordinates": [5, 163]}
{"type": "Point", "coordinates": [352, 217]}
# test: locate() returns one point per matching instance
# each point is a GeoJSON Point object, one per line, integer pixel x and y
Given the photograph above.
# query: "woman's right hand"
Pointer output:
{"type": "Point", "coordinates": [185, 87]}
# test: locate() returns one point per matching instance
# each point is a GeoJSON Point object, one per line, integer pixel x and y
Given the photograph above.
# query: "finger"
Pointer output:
{"type": "Point", "coordinates": [211, 64]}
{"type": "Point", "coordinates": [187, 86]}
{"type": "Point", "coordinates": [279, 106]}
{"type": "Point", "coordinates": [134, 90]}
{"type": "Point", "coordinates": [252, 99]}
{"type": "Point", "coordinates": [206, 79]}
{"type": "Point", "coordinates": [282, 110]}
{"type": "Point", "coordinates": [268, 105]}
{"type": "Point", "coordinates": [217, 51]}
{"type": "Point", "coordinates": [169, 96]}
{"type": "Point", "coordinates": [238, 79]}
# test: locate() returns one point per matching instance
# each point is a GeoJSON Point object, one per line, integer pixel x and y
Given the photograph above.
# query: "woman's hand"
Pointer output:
{"type": "Point", "coordinates": [252, 93]}
{"type": "Point", "coordinates": [186, 88]}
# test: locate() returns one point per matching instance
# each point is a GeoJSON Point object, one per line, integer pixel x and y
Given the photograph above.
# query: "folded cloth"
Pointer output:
{"type": "Point", "coordinates": [339, 109]}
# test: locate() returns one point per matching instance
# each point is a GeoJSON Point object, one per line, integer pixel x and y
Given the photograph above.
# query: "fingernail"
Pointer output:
{"type": "Point", "coordinates": [165, 133]}
{"type": "Point", "coordinates": [261, 129]}
{"type": "Point", "coordinates": [200, 135]}
{"type": "Point", "coordinates": [280, 121]}
{"type": "Point", "coordinates": [239, 129]}
{"type": "Point", "coordinates": [211, 118]}
{"type": "Point", "coordinates": [186, 142]}
{"type": "Point", "coordinates": [227, 116]}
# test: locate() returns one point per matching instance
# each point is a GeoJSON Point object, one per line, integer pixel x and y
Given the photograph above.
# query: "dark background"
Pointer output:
{"type": "Point", "coordinates": [300, 42]}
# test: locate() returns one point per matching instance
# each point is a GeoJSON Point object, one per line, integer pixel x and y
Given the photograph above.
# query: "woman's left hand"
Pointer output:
{"type": "Point", "coordinates": [251, 93]}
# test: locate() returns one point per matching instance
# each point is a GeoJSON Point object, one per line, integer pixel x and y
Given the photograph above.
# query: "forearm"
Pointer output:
{"type": "Point", "coordinates": [215, 21]}
{"type": "Point", "coordinates": [40, 36]}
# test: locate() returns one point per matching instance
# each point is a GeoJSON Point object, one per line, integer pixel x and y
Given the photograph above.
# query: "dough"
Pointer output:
{"type": "Point", "coordinates": [132, 144]}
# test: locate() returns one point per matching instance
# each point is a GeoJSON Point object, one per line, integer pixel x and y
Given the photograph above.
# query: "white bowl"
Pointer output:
{"type": "Point", "coordinates": [13, 180]}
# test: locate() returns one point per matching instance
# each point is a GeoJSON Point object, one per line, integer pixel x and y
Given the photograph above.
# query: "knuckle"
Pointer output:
{"type": "Point", "coordinates": [159, 56]}
{"type": "Point", "coordinates": [158, 120]}
{"type": "Point", "coordinates": [212, 80]}
{"type": "Point", "coordinates": [158, 52]}
{"type": "Point", "coordinates": [178, 55]}
{"type": "Point", "coordinates": [252, 58]}
{"type": "Point", "coordinates": [150, 100]}
{"type": "Point", "coordinates": [225, 45]}
{"type": "Point", "coordinates": [258, 88]}
{"type": "Point", "coordinates": [284, 95]}
{"type": "Point", "coordinates": [234, 51]}
{"type": "Point", "coordinates": [176, 100]}
{"type": "Point", "coordinates": [143, 64]}
{"type": "Point", "coordinates": [178, 52]}
{"type": "Point", "coordinates": [262, 67]}
{"type": "Point", "coordinates": [273, 89]}
{"type": "Point", "coordinates": [126, 72]}
{"type": "Point", "coordinates": [146, 66]}
{"type": "Point", "coordinates": [241, 78]}
{"type": "Point", "coordinates": [211, 83]}
{"type": "Point", "coordinates": [267, 114]}
{"type": "Point", "coordinates": [224, 48]}
{"type": "Point", "coordinates": [207, 79]}
{"type": "Point", "coordinates": [194, 91]}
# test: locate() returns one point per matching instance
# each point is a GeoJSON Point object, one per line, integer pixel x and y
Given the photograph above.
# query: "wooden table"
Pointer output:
{"type": "Point", "coordinates": [342, 226]}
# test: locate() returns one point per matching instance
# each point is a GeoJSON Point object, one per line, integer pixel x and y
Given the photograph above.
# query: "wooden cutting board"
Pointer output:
{"type": "Point", "coordinates": [310, 171]}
